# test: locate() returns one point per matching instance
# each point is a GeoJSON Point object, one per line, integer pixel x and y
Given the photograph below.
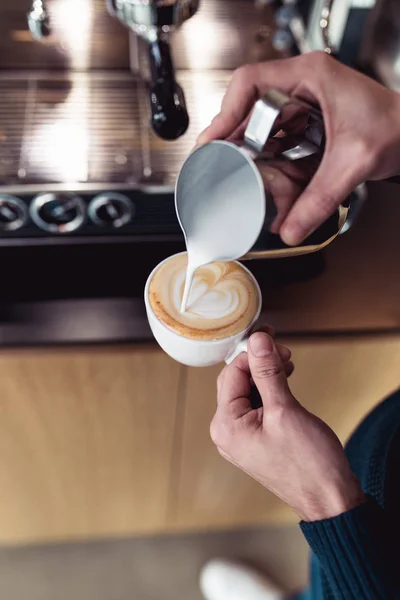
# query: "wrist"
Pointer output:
{"type": "Point", "coordinates": [387, 149]}
{"type": "Point", "coordinates": [396, 126]}
{"type": "Point", "coordinates": [397, 172]}
{"type": "Point", "coordinates": [333, 501]}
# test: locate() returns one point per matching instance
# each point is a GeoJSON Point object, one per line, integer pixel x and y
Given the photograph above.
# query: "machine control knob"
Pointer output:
{"type": "Point", "coordinates": [111, 210]}
{"type": "Point", "coordinates": [13, 213]}
{"type": "Point", "coordinates": [58, 213]}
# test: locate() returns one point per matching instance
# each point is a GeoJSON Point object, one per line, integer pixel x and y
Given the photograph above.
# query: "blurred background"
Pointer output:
{"type": "Point", "coordinates": [110, 486]}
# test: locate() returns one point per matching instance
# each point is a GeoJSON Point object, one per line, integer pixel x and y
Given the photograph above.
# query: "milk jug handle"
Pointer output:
{"type": "Point", "coordinates": [265, 113]}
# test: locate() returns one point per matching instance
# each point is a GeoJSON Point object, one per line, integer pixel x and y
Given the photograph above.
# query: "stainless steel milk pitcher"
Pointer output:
{"type": "Point", "coordinates": [287, 135]}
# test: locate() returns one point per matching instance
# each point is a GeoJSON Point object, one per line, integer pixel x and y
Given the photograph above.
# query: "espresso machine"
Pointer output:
{"type": "Point", "coordinates": [87, 189]}
{"type": "Point", "coordinates": [154, 21]}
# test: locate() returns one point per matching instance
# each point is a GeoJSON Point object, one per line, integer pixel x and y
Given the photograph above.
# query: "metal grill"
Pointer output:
{"type": "Point", "coordinates": [13, 97]}
{"type": "Point", "coordinates": [95, 128]}
{"type": "Point", "coordinates": [117, 132]}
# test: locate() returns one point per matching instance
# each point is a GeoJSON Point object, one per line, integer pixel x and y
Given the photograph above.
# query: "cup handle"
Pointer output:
{"type": "Point", "coordinates": [241, 347]}
{"type": "Point", "coordinates": [254, 397]}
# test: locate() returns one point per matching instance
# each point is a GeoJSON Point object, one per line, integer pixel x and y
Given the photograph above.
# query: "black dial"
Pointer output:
{"type": "Point", "coordinates": [112, 210]}
{"type": "Point", "coordinates": [58, 213]}
{"type": "Point", "coordinates": [13, 213]}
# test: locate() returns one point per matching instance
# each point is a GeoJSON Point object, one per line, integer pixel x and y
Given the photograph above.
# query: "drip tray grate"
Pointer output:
{"type": "Point", "coordinates": [94, 128]}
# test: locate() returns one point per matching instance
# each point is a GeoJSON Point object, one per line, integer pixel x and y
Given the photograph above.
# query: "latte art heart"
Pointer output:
{"type": "Point", "coordinates": [223, 299]}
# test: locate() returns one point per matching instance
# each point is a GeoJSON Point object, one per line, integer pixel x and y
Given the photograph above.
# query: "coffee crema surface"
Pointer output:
{"type": "Point", "coordinates": [223, 299]}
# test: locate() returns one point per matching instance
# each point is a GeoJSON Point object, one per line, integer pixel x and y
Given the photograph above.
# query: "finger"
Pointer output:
{"type": "Point", "coordinates": [247, 85]}
{"type": "Point", "coordinates": [283, 190]}
{"type": "Point", "coordinates": [266, 329]}
{"type": "Point", "coordinates": [284, 352]}
{"type": "Point", "coordinates": [333, 182]}
{"type": "Point", "coordinates": [238, 134]}
{"type": "Point", "coordinates": [289, 368]}
{"type": "Point", "coordinates": [267, 370]}
{"type": "Point", "coordinates": [220, 380]}
{"type": "Point", "coordinates": [243, 87]}
{"type": "Point", "coordinates": [233, 396]}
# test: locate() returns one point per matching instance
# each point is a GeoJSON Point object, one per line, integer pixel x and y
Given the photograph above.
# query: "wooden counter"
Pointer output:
{"type": "Point", "coordinates": [109, 442]}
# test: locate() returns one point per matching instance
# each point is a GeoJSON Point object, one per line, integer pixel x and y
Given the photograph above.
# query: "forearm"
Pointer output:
{"type": "Point", "coordinates": [358, 551]}
{"type": "Point", "coordinates": [395, 151]}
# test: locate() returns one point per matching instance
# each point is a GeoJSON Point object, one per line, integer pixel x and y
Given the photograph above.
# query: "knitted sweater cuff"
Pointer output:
{"type": "Point", "coordinates": [354, 551]}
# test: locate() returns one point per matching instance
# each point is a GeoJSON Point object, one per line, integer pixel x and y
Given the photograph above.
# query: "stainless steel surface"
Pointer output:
{"type": "Point", "coordinates": [282, 42]}
{"type": "Point", "coordinates": [237, 31]}
{"type": "Point", "coordinates": [58, 213]}
{"type": "Point", "coordinates": [223, 35]}
{"type": "Point", "coordinates": [324, 23]}
{"type": "Point", "coordinates": [89, 132]}
{"type": "Point", "coordinates": [13, 213]}
{"type": "Point", "coordinates": [281, 130]}
{"type": "Point", "coordinates": [83, 36]}
{"type": "Point", "coordinates": [37, 188]}
{"type": "Point", "coordinates": [121, 214]}
{"type": "Point", "coordinates": [361, 33]}
{"type": "Point", "coordinates": [71, 123]}
{"type": "Point", "coordinates": [39, 20]}
{"type": "Point", "coordinates": [298, 30]}
{"type": "Point", "coordinates": [266, 111]}
{"type": "Point", "coordinates": [291, 29]}
{"type": "Point", "coordinates": [302, 150]}
{"type": "Point", "coordinates": [220, 203]}
{"type": "Point", "coordinates": [284, 129]}
{"type": "Point", "coordinates": [111, 209]}
{"type": "Point", "coordinates": [339, 26]}
{"type": "Point", "coordinates": [147, 17]}
{"type": "Point", "coordinates": [263, 117]}
{"type": "Point", "coordinates": [360, 196]}
{"type": "Point", "coordinates": [80, 129]}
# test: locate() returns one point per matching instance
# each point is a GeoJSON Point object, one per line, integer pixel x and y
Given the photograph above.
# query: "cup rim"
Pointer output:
{"type": "Point", "coordinates": [190, 340]}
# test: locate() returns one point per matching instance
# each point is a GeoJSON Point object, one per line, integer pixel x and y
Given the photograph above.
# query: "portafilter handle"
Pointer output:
{"type": "Point", "coordinates": [153, 20]}
{"type": "Point", "coordinates": [169, 115]}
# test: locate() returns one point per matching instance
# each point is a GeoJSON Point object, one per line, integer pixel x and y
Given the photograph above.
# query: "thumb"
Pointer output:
{"type": "Point", "coordinates": [267, 370]}
{"type": "Point", "coordinates": [239, 99]}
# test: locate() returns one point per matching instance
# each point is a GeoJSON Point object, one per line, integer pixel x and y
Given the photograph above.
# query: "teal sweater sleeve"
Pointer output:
{"type": "Point", "coordinates": [359, 553]}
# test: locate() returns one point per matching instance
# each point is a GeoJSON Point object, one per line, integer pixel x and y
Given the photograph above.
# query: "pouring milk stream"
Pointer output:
{"type": "Point", "coordinates": [220, 204]}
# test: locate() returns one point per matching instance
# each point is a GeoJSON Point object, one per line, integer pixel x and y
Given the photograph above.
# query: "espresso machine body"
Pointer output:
{"type": "Point", "coordinates": [147, 18]}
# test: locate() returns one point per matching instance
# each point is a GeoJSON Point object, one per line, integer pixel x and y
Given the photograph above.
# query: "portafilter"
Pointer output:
{"type": "Point", "coordinates": [154, 21]}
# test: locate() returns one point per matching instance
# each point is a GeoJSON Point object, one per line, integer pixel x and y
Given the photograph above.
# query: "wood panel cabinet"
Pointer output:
{"type": "Point", "coordinates": [115, 441]}
{"type": "Point", "coordinates": [86, 440]}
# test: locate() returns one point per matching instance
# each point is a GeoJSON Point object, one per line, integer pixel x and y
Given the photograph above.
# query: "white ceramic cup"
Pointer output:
{"type": "Point", "coordinates": [199, 353]}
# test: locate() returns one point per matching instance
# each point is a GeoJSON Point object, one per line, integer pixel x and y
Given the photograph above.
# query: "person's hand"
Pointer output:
{"type": "Point", "coordinates": [287, 449]}
{"type": "Point", "coordinates": [362, 123]}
